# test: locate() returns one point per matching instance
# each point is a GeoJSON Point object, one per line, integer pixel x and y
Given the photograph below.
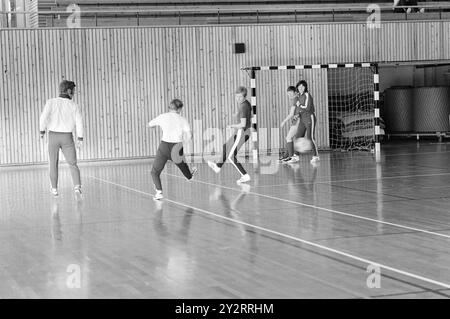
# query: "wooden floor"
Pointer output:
{"type": "Point", "coordinates": [300, 232]}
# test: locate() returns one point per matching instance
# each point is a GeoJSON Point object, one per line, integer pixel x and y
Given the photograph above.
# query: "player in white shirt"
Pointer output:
{"type": "Point", "coordinates": [176, 130]}
{"type": "Point", "coordinates": [60, 117]}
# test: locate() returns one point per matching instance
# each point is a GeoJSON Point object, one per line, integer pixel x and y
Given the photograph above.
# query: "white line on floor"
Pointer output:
{"type": "Point", "coordinates": [367, 261]}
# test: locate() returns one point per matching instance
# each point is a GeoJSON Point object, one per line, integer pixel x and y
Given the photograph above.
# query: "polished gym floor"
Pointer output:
{"type": "Point", "coordinates": [350, 227]}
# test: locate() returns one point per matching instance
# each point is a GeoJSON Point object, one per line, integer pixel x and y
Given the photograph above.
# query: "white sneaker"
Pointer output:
{"type": "Point", "coordinates": [54, 192]}
{"type": "Point", "coordinates": [294, 159]}
{"type": "Point", "coordinates": [77, 190]}
{"type": "Point", "coordinates": [315, 159]}
{"type": "Point", "coordinates": [214, 167]}
{"type": "Point", "coordinates": [283, 159]}
{"type": "Point", "coordinates": [244, 179]}
{"type": "Point", "coordinates": [158, 195]}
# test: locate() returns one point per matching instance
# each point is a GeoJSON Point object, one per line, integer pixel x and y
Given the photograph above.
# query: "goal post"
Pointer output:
{"type": "Point", "coordinates": [353, 104]}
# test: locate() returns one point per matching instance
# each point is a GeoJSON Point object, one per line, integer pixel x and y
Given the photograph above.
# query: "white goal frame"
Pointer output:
{"type": "Point", "coordinates": [376, 91]}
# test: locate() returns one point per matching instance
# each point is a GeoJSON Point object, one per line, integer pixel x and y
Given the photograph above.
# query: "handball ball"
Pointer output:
{"type": "Point", "coordinates": [303, 145]}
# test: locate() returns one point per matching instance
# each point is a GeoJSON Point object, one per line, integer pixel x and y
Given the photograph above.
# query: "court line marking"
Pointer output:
{"type": "Point", "coordinates": [324, 209]}
{"type": "Point", "coordinates": [363, 260]}
{"type": "Point", "coordinates": [418, 153]}
{"type": "Point", "coordinates": [363, 154]}
{"type": "Point", "coordinates": [399, 294]}
{"type": "Point", "coordinates": [358, 179]}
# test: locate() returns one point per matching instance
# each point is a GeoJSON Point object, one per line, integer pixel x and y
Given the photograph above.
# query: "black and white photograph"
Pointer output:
{"type": "Point", "coordinates": [224, 155]}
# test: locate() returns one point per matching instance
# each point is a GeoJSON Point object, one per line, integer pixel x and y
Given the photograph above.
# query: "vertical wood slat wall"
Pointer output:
{"type": "Point", "coordinates": [127, 76]}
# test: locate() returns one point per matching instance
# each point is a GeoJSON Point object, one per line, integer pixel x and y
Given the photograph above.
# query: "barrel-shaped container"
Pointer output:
{"type": "Point", "coordinates": [398, 109]}
{"type": "Point", "coordinates": [431, 109]}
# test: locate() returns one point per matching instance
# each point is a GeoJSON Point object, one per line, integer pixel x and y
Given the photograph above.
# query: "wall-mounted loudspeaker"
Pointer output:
{"type": "Point", "coordinates": [239, 48]}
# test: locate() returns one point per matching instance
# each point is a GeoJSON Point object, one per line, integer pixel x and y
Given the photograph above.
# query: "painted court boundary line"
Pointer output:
{"type": "Point", "coordinates": [366, 261]}
{"type": "Point", "coordinates": [358, 179]}
{"type": "Point", "coordinates": [365, 154]}
{"type": "Point", "coordinates": [324, 209]}
{"type": "Point", "coordinates": [417, 153]}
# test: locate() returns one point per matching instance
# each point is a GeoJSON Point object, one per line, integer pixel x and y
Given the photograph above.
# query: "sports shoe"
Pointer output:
{"type": "Point", "coordinates": [244, 179]}
{"type": "Point", "coordinates": [214, 167]}
{"type": "Point", "coordinates": [54, 192]}
{"type": "Point", "coordinates": [294, 159]}
{"type": "Point", "coordinates": [283, 158]}
{"type": "Point", "coordinates": [315, 159]}
{"type": "Point", "coordinates": [158, 195]}
{"type": "Point", "coordinates": [77, 190]}
{"type": "Point", "coordinates": [286, 160]}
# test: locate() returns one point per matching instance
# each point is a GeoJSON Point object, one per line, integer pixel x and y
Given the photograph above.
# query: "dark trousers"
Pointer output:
{"type": "Point", "coordinates": [169, 151]}
{"type": "Point", "coordinates": [63, 141]}
{"type": "Point", "coordinates": [231, 148]}
{"type": "Point", "coordinates": [307, 128]}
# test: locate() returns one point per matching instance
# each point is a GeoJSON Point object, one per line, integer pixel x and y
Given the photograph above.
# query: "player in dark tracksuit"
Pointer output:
{"type": "Point", "coordinates": [308, 120]}
{"type": "Point", "coordinates": [242, 134]}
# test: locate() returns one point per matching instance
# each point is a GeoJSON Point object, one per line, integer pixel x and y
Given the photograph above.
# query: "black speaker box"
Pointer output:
{"type": "Point", "coordinates": [239, 48]}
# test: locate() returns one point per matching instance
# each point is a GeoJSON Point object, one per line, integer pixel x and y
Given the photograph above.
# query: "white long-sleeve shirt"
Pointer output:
{"type": "Point", "coordinates": [175, 128]}
{"type": "Point", "coordinates": [63, 116]}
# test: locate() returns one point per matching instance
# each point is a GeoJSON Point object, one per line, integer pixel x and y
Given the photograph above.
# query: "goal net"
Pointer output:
{"type": "Point", "coordinates": [351, 108]}
{"type": "Point", "coordinates": [344, 100]}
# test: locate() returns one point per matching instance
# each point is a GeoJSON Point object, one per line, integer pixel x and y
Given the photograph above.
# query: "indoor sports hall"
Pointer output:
{"type": "Point", "coordinates": [368, 217]}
